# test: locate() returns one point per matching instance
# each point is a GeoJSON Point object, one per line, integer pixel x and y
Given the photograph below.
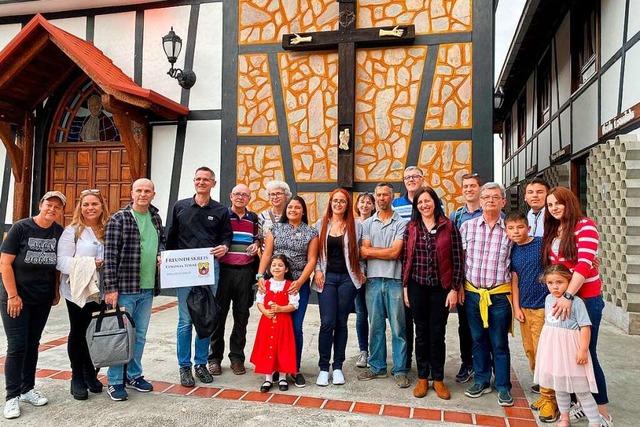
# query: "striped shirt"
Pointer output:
{"type": "Point", "coordinates": [403, 206]}
{"type": "Point", "coordinates": [488, 253]}
{"type": "Point", "coordinates": [245, 232]}
{"type": "Point", "coordinates": [587, 239]}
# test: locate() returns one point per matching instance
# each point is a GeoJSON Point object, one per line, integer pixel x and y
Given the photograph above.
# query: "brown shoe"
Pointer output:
{"type": "Point", "coordinates": [238, 368]}
{"type": "Point", "coordinates": [441, 390]}
{"type": "Point", "coordinates": [421, 388]}
{"type": "Point", "coordinates": [215, 368]}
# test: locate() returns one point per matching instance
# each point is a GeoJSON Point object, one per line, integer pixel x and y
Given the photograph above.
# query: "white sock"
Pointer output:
{"type": "Point", "coordinates": [268, 377]}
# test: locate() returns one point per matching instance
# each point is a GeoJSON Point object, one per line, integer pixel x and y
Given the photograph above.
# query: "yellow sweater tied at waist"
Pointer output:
{"type": "Point", "coordinates": [485, 300]}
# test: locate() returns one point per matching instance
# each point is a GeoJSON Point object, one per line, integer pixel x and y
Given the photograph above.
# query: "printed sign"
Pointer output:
{"type": "Point", "coordinates": [186, 267]}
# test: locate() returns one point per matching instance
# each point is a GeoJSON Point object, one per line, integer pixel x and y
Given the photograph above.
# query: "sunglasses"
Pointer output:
{"type": "Point", "coordinates": [89, 191]}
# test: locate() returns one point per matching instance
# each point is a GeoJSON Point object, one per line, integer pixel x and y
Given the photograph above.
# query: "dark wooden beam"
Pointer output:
{"type": "Point", "coordinates": [16, 66]}
{"type": "Point", "coordinates": [363, 37]}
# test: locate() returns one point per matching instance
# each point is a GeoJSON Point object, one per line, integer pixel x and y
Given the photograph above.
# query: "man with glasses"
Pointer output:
{"type": "Point", "coordinates": [197, 222]}
{"type": "Point", "coordinates": [237, 276]}
{"type": "Point", "coordinates": [487, 292]}
{"type": "Point", "coordinates": [413, 180]}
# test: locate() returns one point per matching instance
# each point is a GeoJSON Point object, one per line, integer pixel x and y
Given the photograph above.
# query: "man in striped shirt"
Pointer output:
{"type": "Point", "coordinates": [237, 276]}
{"type": "Point", "coordinates": [487, 270]}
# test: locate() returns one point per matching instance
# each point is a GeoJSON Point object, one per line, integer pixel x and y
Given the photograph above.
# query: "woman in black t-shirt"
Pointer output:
{"type": "Point", "coordinates": [28, 268]}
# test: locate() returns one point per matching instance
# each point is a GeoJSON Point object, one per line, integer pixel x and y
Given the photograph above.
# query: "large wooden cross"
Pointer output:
{"type": "Point", "coordinates": [346, 39]}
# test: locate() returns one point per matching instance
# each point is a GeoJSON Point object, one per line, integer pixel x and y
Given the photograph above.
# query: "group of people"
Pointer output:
{"type": "Point", "coordinates": [400, 259]}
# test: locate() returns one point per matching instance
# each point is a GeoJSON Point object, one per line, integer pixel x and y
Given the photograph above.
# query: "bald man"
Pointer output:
{"type": "Point", "coordinates": [133, 239]}
{"type": "Point", "coordinates": [237, 276]}
{"type": "Point", "coordinates": [197, 222]}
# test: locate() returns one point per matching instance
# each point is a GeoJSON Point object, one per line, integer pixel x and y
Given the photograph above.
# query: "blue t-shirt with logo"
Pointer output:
{"type": "Point", "coordinates": [526, 262]}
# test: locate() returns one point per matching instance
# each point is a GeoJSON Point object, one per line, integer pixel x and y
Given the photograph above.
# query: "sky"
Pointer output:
{"type": "Point", "coordinates": [506, 21]}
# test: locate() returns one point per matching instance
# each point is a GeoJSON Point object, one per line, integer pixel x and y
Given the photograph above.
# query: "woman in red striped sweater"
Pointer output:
{"type": "Point", "coordinates": [571, 239]}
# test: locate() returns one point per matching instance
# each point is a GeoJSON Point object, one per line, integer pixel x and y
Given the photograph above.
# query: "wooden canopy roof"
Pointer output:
{"type": "Point", "coordinates": [42, 56]}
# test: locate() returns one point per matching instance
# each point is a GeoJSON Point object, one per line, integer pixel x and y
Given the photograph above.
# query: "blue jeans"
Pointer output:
{"type": "Point", "coordinates": [385, 298]}
{"type": "Point", "coordinates": [139, 308]}
{"type": "Point", "coordinates": [185, 327]}
{"type": "Point", "coordinates": [298, 318]}
{"type": "Point", "coordinates": [595, 305]}
{"type": "Point", "coordinates": [495, 337]}
{"type": "Point", "coordinates": [335, 301]}
{"type": "Point", "coordinates": [362, 319]}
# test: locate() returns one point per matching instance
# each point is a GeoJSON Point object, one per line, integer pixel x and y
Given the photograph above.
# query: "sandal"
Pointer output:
{"type": "Point", "coordinates": [266, 386]}
{"type": "Point", "coordinates": [283, 385]}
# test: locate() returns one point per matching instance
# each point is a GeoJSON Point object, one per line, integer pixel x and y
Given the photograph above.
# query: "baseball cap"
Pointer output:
{"type": "Point", "coordinates": [50, 194]}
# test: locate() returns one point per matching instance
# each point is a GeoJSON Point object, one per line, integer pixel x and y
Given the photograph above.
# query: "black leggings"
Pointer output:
{"type": "Point", "coordinates": [77, 349]}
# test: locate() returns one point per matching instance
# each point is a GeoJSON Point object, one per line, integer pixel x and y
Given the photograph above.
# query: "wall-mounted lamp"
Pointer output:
{"type": "Point", "coordinates": [172, 45]}
{"type": "Point", "coordinates": [498, 98]}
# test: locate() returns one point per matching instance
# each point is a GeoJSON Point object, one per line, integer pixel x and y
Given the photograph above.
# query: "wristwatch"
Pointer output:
{"type": "Point", "coordinates": [259, 276]}
{"type": "Point", "coordinates": [568, 296]}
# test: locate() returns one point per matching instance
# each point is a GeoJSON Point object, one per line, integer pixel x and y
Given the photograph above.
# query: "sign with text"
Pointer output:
{"type": "Point", "coordinates": [186, 267]}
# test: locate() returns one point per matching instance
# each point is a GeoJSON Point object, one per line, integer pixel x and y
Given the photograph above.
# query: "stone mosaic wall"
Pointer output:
{"type": "Point", "coordinates": [613, 199]}
{"type": "Point", "coordinates": [257, 165]}
{"type": "Point", "coordinates": [558, 175]}
{"type": "Point", "coordinates": [256, 111]}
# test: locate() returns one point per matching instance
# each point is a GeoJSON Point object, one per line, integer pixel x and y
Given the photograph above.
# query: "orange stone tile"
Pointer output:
{"type": "Point", "coordinates": [45, 347]}
{"type": "Point", "coordinates": [518, 393]}
{"type": "Point", "coordinates": [396, 411]}
{"type": "Point", "coordinates": [178, 389]}
{"type": "Point", "coordinates": [367, 408]}
{"type": "Point", "coordinates": [490, 420]}
{"type": "Point", "coordinates": [522, 413]}
{"type": "Point", "coordinates": [286, 399]}
{"type": "Point", "coordinates": [62, 375]}
{"type": "Point", "coordinates": [2, 360]}
{"type": "Point", "coordinates": [1, 369]}
{"type": "Point", "coordinates": [310, 402]}
{"type": "Point", "coordinates": [160, 386]}
{"type": "Point", "coordinates": [514, 422]}
{"type": "Point", "coordinates": [338, 405]}
{"type": "Point", "coordinates": [520, 403]}
{"type": "Point", "coordinates": [256, 108]}
{"type": "Point", "coordinates": [427, 414]}
{"type": "Point", "coordinates": [256, 396]}
{"type": "Point", "coordinates": [231, 394]}
{"type": "Point", "coordinates": [205, 392]}
{"type": "Point", "coordinates": [458, 417]}
{"type": "Point", "coordinates": [46, 373]}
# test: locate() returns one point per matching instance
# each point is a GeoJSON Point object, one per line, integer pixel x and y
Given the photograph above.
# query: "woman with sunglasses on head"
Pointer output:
{"type": "Point", "coordinates": [298, 241]}
{"type": "Point", "coordinates": [28, 269]}
{"type": "Point", "coordinates": [337, 279]}
{"type": "Point", "coordinates": [81, 248]}
{"type": "Point", "coordinates": [365, 207]}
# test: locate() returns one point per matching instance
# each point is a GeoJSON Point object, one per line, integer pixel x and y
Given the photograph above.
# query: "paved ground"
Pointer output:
{"type": "Point", "coordinates": [234, 400]}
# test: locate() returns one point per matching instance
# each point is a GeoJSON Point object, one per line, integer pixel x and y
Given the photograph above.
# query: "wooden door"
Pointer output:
{"type": "Point", "coordinates": [75, 167]}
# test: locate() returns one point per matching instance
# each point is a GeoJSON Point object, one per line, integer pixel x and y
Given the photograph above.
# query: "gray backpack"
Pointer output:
{"type": "Point", "coordinates": [111, 337]}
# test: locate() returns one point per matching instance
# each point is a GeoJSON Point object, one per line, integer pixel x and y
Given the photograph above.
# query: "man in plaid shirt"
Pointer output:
{"type": "Point", "coordinates": [133, 238]}
{"type": "Point", "coordinates": [488, 292]}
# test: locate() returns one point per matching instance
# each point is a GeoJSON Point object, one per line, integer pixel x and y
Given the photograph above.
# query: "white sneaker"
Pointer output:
{"type": "Point", "coordinates": [34, 397]}
{"type": "Point", "coordinates": [363, 359]}
{"type": "Point", "coordinates": [338, 377]}
{"type": "Point", "coordinates": [606, 422]}
{"type": "Point", "coordinates": [12, 408]}
{"type": "Point", "coordinates": [323, 379]}
{"type": "Point", "coordinates": [576, 412]}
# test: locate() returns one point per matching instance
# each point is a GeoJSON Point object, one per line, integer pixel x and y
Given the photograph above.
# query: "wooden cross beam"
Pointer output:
{"type": "Point", "coordinates": [346, 39]}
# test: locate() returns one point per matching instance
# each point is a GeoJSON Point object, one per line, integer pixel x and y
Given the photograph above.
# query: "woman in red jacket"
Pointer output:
{"type": "Point", "coordinates": [571, 239]}
{"type": "Point", "coordinates": [432, 274]}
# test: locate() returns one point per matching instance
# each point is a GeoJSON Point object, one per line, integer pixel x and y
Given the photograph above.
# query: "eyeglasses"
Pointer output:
{"type": "Point", "coordinates": [203, 179]}
{"type": "Point", "coordinates": [413, 177]}
{"type": "Point", "coordinates": [491, 197]}
{"type": "Point", "coordinates": [243, 195]}
{"type": "Point", "coordinates": [275, 195]}
{"type": "Point", "coordinates": [338, 201]}
{"type": "Point", "coordinates": [90, 191]}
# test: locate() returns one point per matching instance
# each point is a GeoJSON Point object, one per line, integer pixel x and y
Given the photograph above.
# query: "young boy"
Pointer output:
{"type": "Point", "coordinates": [528, 299]}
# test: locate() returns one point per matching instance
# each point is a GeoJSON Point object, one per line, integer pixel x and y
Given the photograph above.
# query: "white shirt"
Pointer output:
{"type": "Point", "coordinates": [278, 286]}
{"type": "Point", "coordinates": [536, 222]}
{"type": "Point", "coordinates": [87, 245]}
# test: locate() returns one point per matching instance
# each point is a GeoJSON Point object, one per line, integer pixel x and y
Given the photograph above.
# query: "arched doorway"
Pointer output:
{"type": "Point", "coordinates": [86, 150]}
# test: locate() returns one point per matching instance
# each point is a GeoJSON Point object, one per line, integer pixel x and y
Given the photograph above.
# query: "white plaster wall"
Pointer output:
{"type": "Point", "coordinates": [634, 19]}
{"type": "Point", "coordinates": [610, 86]}
{"type": "Point", "coordinates": [544, 147]}
{"type": "Point", "coordinates": [75, 26]}
{"type": "Point", "coordinates": [120, 49]}
{"type": "Point", "coordinates": [565, 129]}
{"type": "Point", "coordinates": [544, 141]}
{"type": "Point", "coordinates": [7, 33]}
{"type": "Point", "coordinates": [531, 109]}
{"type": "Point", "coordinates": [611, 27]}
{"type": "Point", "coordinates": [157, 23]}
{"type": "Point", "coordinates": [631, 88]}
{"type": "Point", "coordinates": [585, 119]}
{"type": "Point", "coordinates": [207, 61]}
{"type": "Point", "coordinates": [522, 164]}
{"type": "Point", "coordinates": [201, 148]}
{"type": "Point", "coordinates": [563, 50]}
{"type": "Point", "coordinates": [162, 149]}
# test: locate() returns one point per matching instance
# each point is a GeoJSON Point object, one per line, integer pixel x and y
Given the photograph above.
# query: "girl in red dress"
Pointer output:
{"type": "Point", "coordinates": [274, 349]}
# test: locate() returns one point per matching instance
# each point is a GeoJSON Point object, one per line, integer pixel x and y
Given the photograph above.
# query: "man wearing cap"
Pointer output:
{"type": "Point", "coordinates": [133, 239]}
{"type": "Point", "coordinates": [28, 269]}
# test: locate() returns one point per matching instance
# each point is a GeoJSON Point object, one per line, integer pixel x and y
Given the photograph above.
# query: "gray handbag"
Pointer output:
{"type": "Point", "coordinates": [111, 337]}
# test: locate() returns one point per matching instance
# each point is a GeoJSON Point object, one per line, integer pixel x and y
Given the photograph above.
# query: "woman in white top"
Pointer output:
{"type": "Point", "coordinates": [84, 237]}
